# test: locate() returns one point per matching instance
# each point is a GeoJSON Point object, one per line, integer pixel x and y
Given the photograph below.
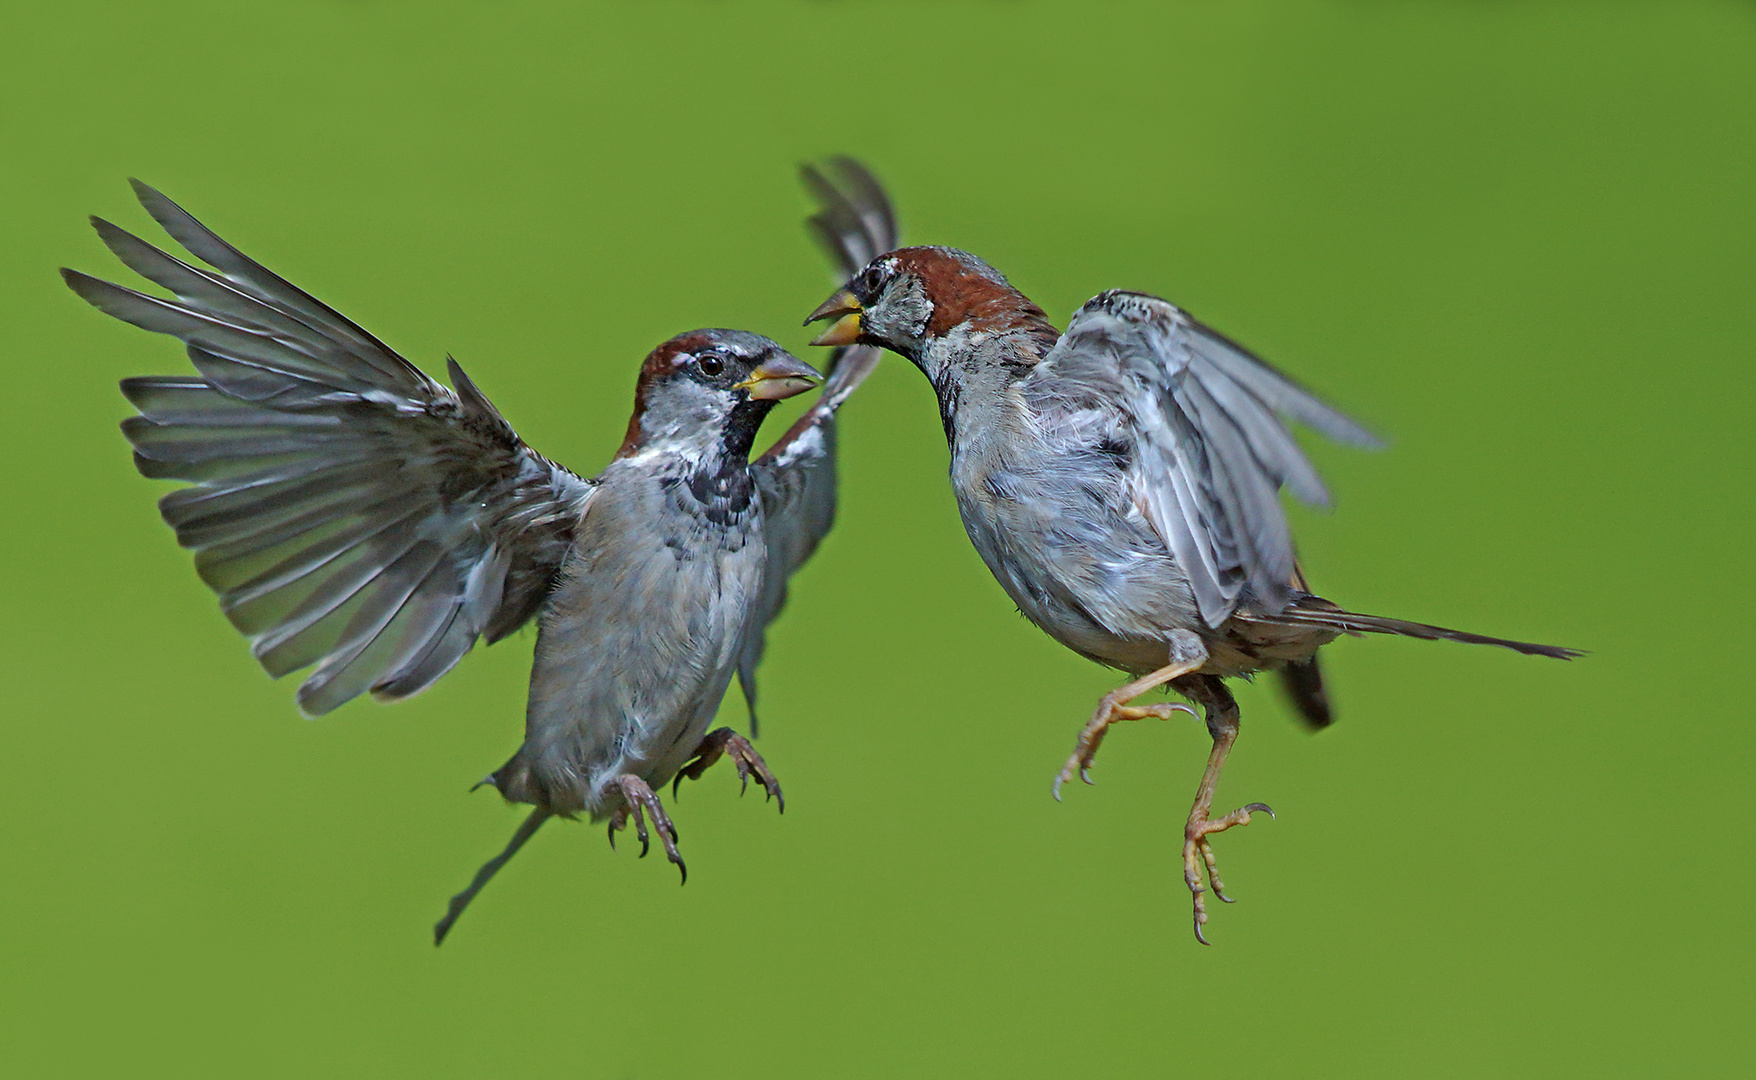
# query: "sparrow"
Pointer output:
{"type": "Point", "coordinates": [1121, 480]}
{"type": "Point", "coordinates": [358, 518]}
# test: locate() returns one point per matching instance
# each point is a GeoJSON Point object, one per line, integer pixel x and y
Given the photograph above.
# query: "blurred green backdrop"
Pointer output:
{"type": "Point", "coordinates": [1517, 238]}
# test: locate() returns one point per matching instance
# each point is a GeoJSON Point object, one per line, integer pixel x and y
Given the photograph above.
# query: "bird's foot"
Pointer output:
{"type": "Point", "coordinates": [638, 800]}
{"type": "Point", "coordinates": [725, 741]}
{"type": "Point", "coordinates": [1110, 710]}
{"type": "Point", "coordinates": [1198, 853]}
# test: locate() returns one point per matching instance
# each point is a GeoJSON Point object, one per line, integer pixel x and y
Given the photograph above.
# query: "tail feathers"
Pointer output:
{"type": "Point", "coordinates": [1303, 681]}
{"type": "Point", "coordinates": [488, 870]}
{"type": "Point", "coordinates": [1354, 623]}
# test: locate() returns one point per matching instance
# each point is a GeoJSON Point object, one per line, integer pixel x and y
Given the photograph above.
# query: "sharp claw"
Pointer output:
{"type": "Point", "coordinates": [1261, 808]}
{"type": "Point", "coordinates": [612, 832]}
{"type": "Point", "coordinates": [1198, 936]}
{"type": "Point", "coordinates": [683, 870]}
{"type": "Point", "coordinates": [675, 781]}
{"type": "Point", "coordinates": [1223, 898]}
{"type": "Point", "coordinates": [1085, 774]}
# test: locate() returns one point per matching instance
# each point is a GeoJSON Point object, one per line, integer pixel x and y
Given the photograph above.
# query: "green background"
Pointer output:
{"type": "Point", "coordinates": [1515, 238]}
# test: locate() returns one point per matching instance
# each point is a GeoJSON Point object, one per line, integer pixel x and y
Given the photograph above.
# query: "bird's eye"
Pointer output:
{"type": "Point", "coordinates": [712, 365]}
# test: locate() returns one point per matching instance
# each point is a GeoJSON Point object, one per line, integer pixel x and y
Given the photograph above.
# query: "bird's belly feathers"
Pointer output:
{"type": "Point", "coordinates": [1095, 579]}
{"type": "Point", "coordinates": [1088, 570]}
{"type": "Point", "coordinates": [634, 652]}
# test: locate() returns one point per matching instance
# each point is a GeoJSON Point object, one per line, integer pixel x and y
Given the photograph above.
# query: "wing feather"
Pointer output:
{"type": "Point", "coordinates": [855, 224]}
{"type": "Point", "coordinates": [1210, 450]}
{"type": "Point", "coordinates": [256, 280]}
{"type": "Point", "coordinates": [350, 512]}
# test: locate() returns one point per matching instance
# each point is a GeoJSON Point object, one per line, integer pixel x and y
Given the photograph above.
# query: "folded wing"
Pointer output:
{"type": "Point", "coordinates": [1209, 448]}
{"type": "Point", "coordinates": [855, 224]}
{"type": "Point", "coordinates": [350, 512]}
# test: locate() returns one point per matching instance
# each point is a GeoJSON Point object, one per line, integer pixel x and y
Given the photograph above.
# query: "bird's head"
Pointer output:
{"type": "Point", "coordinates": [710, 388]}
{"type": "Point", "coordinates": [913, 299]}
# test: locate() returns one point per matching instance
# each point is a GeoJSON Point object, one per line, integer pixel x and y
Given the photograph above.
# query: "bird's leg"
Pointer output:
{"type": "Point", "coordinates": [638, 801]}
{"type": "Point", "coordinates": [1222, 724]}
{"type": "Point", "coordinates": [1187, 654]}
{"type": "Point", "coordinates": [724, 741]}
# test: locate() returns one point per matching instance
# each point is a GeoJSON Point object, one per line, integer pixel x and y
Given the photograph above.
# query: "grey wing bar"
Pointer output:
{"type": "Point", "coordinates": [350, 512]}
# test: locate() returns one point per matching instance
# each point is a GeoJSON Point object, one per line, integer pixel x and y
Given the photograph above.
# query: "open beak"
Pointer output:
{"type": "Point", "coordinates": [846, 311]}
{"type": "Point", "coordinates": [780, 376]}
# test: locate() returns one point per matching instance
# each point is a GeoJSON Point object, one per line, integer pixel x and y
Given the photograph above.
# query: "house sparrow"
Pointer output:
{"type": "Point", "coordinates": [1121, 481]}
{"type": "Point", "coordinates": [356, 515]}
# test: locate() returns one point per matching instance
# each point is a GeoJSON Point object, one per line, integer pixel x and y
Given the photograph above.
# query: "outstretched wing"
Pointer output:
{"type": "Point", "coordinates": [855, 224]}
{"type": "Point", "coordinates": [349, 511]}
{"type": "Point", "coordinates": [1208, 449]}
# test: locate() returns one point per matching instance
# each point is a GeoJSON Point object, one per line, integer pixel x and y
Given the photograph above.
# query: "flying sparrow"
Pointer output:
{"type": "Point", "coordinates": [1121, 481]}
{"type": "Point", "coordinates": [356, 515]}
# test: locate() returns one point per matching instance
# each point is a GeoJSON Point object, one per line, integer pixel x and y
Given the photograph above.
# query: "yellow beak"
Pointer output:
{"type": "Point", "coordinates": [846, 310]}
{"type": "Point", "coordinates": [780, 376]}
